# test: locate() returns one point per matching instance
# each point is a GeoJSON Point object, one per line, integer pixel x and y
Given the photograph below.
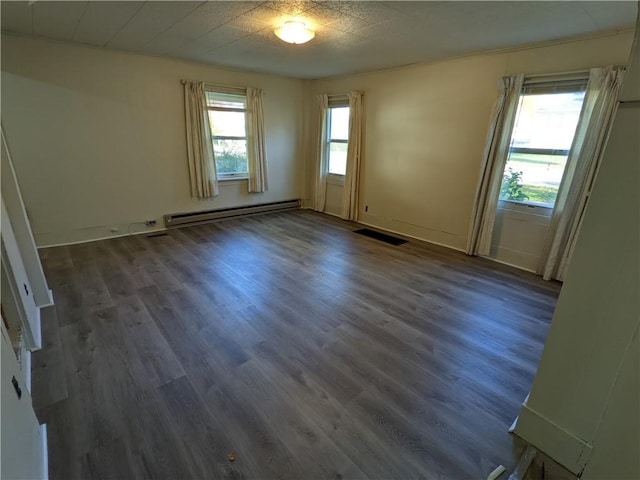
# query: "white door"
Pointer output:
{"type": "Point", "coordinates": [22, 448]}
{"type": "Point", "coordinates": [28, 312]}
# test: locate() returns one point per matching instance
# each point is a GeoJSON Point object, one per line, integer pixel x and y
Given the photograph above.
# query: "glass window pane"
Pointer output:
{"type": "Point", "coordinates": [338, 158]}
{"type": "Point", "coordinates": [532, 178]}
{"type": "Point", "coordinates": [227, 124]}
{"type": "Point", "coordinates": [231, 156]}
{"type": "Point", "coordinates": [547, 121]}
{"type": "Point", "coordinates": [226, 100]}
{"type": "Point", "coordinates": [339, 123]}
{"type": "Point", "coordinates": [540, 143]}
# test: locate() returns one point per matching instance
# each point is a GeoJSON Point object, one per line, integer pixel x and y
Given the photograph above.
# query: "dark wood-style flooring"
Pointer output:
{"type": "Point", "coordinates": [304, 349]}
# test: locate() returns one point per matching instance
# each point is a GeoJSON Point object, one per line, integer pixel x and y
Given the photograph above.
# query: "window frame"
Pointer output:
{"type": "Point", "coordinates": [540, 85]}
{"type": "Point", "coordinates": [335, 102]}
{"type": "Point", "coordinates": [222, 177]}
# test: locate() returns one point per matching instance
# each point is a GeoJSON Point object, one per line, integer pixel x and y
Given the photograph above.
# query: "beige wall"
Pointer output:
{"type": "Point", "coordinates": [591, 338]}
{"type": "Point", "coordinates": [617, 442]}
{"type": "Point", "coordinates": [519, 234]}
{"type": "Point", "coordinates": [98, 142]}
{"type": "Point", "coordinates": [583, 409]}
{"type": "Point", "coordinates": [98, 137]}
{"type": "Point", "coordinates": [425, 129]}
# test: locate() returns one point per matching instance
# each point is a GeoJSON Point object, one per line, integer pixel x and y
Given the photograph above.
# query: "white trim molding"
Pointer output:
{"type": "Point", "coordinates": [45, 452]}
{"type": "Point", "coordinates": [564, 447]}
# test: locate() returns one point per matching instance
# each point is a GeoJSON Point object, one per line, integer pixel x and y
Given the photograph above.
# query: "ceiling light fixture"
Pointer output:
{"type": "Point", "coordinates": [295, 32]}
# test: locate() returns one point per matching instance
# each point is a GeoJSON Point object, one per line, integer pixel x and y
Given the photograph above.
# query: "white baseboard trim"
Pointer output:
{"type": "Point", "coordinates": [513, 425]}
{"type": "Point", "coordinates": [388, 230]}
{"type": "Point", "coordinates": [45, 452]}
{"type": "Point", "coordinates": [332, 214]}
{"type": "Point", "coordinates": [50, 301]}
{"type": "Point", "coordinates": [25, 366]}
{"type": "Point", "coordinates": [519, 267]}
{"type": "Point", "coordinates": [561, 445]}
{"type": "Point", "coordinates": [384, 229]}
{"type": "Point", "coordinates": [64, 244]}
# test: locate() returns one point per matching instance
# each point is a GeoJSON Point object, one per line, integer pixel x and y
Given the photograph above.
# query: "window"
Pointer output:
{"type": "Point", "coordinates": [228, 120]}
{"type": "Point", "coordinates": [338, 139]}
{"type": "Point", "coordinates": [542, 135]}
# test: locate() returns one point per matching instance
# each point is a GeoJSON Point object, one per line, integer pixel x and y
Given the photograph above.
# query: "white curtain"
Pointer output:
{"type": "Point", "coordinates": [202, 165]}
{"type": "Point", "coordinates": [591, 135]}
{"type": "Point", "coordinates": [319, 198]}
{"type": "Point", "coordinates": [354, 157]}
{"type": "Point", "coordinates": [256, 151]}
{"type": "Point", "coordinates": [493, 162]}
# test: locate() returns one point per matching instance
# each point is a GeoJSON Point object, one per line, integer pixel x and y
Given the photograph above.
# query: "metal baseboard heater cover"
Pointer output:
{"type": "Point", "coordinates": [193, 218]}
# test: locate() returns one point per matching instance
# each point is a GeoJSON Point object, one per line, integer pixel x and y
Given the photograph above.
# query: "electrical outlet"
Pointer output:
{"type": "Point", "coordinates": [150, 223]}
{"type": "Point", "coordinates": [114, 229]}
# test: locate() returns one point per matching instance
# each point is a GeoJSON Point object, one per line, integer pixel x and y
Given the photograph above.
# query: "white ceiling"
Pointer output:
{"type": "Point", "coordinates": [350, 36]}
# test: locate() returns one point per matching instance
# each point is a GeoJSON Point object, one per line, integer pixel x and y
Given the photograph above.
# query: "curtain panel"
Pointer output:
{"type": "Point", "coordinates": [354, 157]}
{"type": "Point", "coordinates": [592, 132]}
{"type": "Point", "coordinates": [320, 186]}
{"type": "Point", "coordinates": [493, 162]}
{"type": "Point", "coordinates": [202, 165]}
{"type": "Point", "coordinates": [256, 149]}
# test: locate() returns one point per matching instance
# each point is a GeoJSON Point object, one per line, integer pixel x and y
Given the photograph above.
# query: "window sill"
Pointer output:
{"type": "Point", "coordinates": [335, 179]}
{"type": "Point", "coordinates": [527, 208]}
{"type": "Point", "coordinates": [238, 178]}
{"type": "Point", "coordinates": [527, 204]}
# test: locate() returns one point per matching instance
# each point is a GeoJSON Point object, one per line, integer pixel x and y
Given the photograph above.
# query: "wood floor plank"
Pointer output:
{"type": "Point", "coordinates": [65, 458]}
{"type": "Point", "coordinates": [206, 443]}
{"type": "Point", "coordinates": [150, 352]}
{"type": "Point", "coordinates": [48, 367]}
{"type": "Point", "coordinates": [99, 463]}
{"type": "Point", "coordinates": [456, 423]}
{"type": "Point", "coordinates": [420, 379]}
{"type": "Point", "coordinates": [162, 277]}
{"type": "Point", "coordinates": [303, 348]}
{"type": "Point", "coordinates": [370, 453]}
{"type": "Point", "coordinates": [262, 452]}
{"type": "Point", "coordinates": [298, 432]}
{"type": "Point", "coordinates": [156, 449]}
{"type": "Point", "coordinates": [183, 300]}
{"type": "Point", "coordinates": [183, 339]}
{"type": "Point", "coordinates": [95, 294]}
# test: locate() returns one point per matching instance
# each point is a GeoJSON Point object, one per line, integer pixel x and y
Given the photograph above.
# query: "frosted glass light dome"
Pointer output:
{"type": "Point", "coordinates": [295, 32]}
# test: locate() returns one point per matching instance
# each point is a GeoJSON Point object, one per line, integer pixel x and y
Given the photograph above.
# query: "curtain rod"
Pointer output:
{"type": "Point", "coordinates": [343, 95]}
{"type": "Point", "coordinates": [558, 74]}
{"type": "Point", "coordinates": [581, 76]}
{"type": "Point", "coordinates": [562, 74]}
{"type": "Point", "coordinates": [214, 85]}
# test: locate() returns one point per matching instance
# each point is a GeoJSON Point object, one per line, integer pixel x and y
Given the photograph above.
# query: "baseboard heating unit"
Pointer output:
{"type": "Point", "coordinates": [194, 218]}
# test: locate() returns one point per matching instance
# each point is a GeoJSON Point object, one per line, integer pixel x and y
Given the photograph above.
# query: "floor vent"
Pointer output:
{"type": "Point", "coordinates": [383, 237]}
{"type": "Point", "coordinates": [194, 218]}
